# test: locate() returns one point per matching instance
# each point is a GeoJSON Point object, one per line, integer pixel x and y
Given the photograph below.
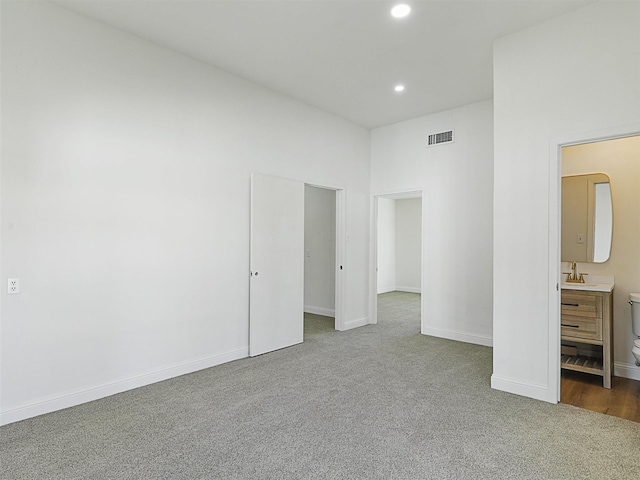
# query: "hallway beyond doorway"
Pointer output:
{"type": "Point", "coordinates": [398, 307]}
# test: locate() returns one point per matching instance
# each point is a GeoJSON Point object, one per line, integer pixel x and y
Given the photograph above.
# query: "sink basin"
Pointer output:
{"type": "Point", "coordinates": [593, 287]}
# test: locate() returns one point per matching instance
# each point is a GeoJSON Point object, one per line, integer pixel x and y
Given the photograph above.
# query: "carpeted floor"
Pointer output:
{"type": "Point", "coordinates": [376, 402]}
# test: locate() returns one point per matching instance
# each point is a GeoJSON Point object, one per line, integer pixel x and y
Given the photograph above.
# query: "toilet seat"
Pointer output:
{"type": "Point", "coordinates": [636, 343]}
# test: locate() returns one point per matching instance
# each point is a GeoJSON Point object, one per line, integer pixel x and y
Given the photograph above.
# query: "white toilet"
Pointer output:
{"type": "Point", "coordinates": [634, 301]}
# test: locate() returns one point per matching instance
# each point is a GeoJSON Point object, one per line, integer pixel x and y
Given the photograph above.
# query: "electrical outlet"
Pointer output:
{"type": "Point", "coordinates": [13, 286]}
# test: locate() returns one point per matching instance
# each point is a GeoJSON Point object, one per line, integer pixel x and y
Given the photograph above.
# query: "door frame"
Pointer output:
{"type": "Point", "coordinates": [373, 261]}
{"type": "Point", "coordinates": [555, 228]}
{"type": "Point", "coordinates": [340, 240]}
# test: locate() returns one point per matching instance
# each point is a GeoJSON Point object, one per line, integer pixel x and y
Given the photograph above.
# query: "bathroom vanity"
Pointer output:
{"type": "Point", "coordinates": [586, 309]}
{"type": "Point", "coordinates": [586, 329]}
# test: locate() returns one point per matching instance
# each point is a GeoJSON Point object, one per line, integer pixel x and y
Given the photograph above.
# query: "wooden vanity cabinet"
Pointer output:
{"type": "Point", "coordinates": [586, 321]}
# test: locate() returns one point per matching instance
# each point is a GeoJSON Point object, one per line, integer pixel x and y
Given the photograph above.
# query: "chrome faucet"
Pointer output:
{"type": "Point", "coordinates": [573, 277]}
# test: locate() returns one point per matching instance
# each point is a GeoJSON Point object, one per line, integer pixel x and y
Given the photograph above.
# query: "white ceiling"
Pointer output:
{"type": "Point", "coordinates": [342, 56]}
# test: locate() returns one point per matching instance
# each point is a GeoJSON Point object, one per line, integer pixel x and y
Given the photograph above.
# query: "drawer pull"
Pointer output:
{"type": "Point", "coordinates": [571, 304]}
{"type": "Point", "coordinates": [572, 326]}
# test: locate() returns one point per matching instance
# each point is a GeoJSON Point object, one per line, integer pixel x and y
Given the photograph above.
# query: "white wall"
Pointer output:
{"type": "Point", "coordinates": [457, 184]}
{"type": "Point", "coordinates": [320, 251]}
{"type": "Point", "coordinates": [125, 206]}
{"type": "Point", "coordinates": [386, 245]}
{"type": "Point", "coordinates": [408, 244]}
{"type": "Point", "coordinates": [620, 159]}
{"type": "Point", "coordinates": [575, 75]}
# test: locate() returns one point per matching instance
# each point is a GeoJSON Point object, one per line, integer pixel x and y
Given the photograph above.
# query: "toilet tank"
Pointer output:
{"type": "Point", "coordinates": [634, 299]}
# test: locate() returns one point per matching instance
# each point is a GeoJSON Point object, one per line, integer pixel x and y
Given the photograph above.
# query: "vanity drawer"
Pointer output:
{"type": "Point", "coordinates": [581, 304]}
{"type": "Point", "coordinates": [581, 327]}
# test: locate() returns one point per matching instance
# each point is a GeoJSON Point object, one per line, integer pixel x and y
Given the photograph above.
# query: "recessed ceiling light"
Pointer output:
{"type": "Point", "coordinates": [399, 88]}
{"type": "Point", "coordinates": [401, 10]}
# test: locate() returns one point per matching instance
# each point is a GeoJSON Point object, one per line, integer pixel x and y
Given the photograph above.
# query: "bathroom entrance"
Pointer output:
{"type": "Point", "coordinates": [598, 263]}
{"type": "Point", "coordinates": [399, 258]}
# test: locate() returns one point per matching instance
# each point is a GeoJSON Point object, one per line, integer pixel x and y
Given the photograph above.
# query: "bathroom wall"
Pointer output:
{"type": "Point", "coordinates": [577, 75]}
{"type": "Point", "coordinates": [620, 159]}
{"type": "Point", "coordinates": [457, 184]}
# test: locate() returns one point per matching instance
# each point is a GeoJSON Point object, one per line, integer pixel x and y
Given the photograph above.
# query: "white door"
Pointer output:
{"type": "Point", "coordinates": [276, 293]}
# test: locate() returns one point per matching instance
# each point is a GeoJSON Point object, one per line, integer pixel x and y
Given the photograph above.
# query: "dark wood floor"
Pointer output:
{"type": "Point", "coordinates": [585, 391]}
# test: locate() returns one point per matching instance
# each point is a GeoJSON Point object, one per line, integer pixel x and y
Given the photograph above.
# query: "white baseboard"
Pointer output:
{"type": "Point", "coordinates": [459, 336]}
{"type": "Point", "coordinates": [58, 402]}
{"type": "Point", "coordinates": [326, 312]}
{"type": "Point", "coordinates": [409, 289]}
{"type": "Point", "coordinates": [626, 370]}
{"type": "Point", "coordinates": [531, 390]}
{"type": "Point", "coordinates": [359, 322]}
{"type": "Point", "coordinates": [386, 289]}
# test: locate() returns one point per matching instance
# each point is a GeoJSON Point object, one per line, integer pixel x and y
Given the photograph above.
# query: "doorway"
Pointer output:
{"type": "Point", "coordinates": [398, 255]}
{"type": "Point", "coordinates": [277, 257]}
{"type": "Point", "coordinates": [598, 154]}
{"type": "Point", "coordinates": [319, 260]}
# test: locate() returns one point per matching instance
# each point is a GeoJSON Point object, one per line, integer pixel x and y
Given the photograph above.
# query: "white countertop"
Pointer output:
{"type": "Point", "coordinates": [594, 284]}
{"type": "Point", "coordinates": [592, 287]}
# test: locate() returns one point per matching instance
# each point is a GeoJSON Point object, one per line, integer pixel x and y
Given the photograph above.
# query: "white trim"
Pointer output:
{"type": "Point", "coordinates": [554, 268]}
{"type": "Point", "coordinates": [458, 336]}
{"type": "Point", "coordinates": [373, 261]}
{"type": "Point", "coordinates": [326, 312]}
{"type": "Point", "coordinates": [531, 390]}
{"type": "Point", "coordinates": [358, 322]}
{"type": "Point", "coordinates": [408, 192]}
{"type": "Point", "coordinates": [394, 288]}
{"type": "Point", "coordinates": [325, 186]}
{"type": "Point", "coordinates": [626, 370]}
{"type": "Point", "coordinates": [71, 399]}
{"type": "Point", "coordinates": [341, 237]}
{"type": "Point", "coordinates": [387, 289]}
{"type": "Point", "coordinates": [408, 289]}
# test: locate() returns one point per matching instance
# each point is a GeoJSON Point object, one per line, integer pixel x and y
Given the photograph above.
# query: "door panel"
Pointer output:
{"type": "Point", "coordinates": [277, 264]}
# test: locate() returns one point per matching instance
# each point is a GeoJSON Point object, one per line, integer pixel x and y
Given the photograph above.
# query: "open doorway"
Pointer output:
{"type": "Point", "coordinates": [320, 263]}
{"type": "Point", "coordinates": [399, 258]}
{"type": "Point", "coordinates": [277, 253]}
{"type": "Point", "coordinates": [594, 375]}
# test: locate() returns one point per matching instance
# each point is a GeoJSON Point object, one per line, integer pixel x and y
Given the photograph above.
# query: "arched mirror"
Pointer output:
{"type": "Point", "coordinates": [587, 218]}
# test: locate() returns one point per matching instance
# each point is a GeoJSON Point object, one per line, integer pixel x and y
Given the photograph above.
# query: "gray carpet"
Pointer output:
{"type": "Point", "coordinates": [377, 402]}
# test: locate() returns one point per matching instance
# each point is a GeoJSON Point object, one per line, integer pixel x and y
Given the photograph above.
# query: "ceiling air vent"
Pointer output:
{"type": "Point", "coordinates": [441, 137]}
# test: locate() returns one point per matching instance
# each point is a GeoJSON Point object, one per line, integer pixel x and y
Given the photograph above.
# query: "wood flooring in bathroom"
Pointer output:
{"type": "Point", "coordinates": [586, 391]}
